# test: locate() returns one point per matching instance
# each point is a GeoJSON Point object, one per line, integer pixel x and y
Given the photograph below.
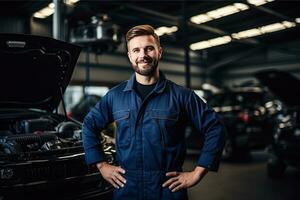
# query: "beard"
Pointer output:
{"type": "Point", "coordinates": [148, 69]}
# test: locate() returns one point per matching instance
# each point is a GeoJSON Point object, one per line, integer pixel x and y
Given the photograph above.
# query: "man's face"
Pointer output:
{"type": "Point", "coordinates": [144, 54]}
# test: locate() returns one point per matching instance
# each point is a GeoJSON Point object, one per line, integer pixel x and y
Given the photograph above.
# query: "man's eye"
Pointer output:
{"type": "Point", "coordinates": [149, 49]}
{"type": "Point", "coordinates": [135, 50]}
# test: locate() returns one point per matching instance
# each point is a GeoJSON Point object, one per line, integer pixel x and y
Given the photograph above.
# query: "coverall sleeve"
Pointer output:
{"type": "Point", "coordinates": [206, 120]}
{"type": "Point", "coordinates": [95, 121]}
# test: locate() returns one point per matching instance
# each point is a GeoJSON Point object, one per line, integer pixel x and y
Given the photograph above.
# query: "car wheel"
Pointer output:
{"type": "Point", "coordinates": [228, 150]}
{"type": "Point", "coordinates": [275, 167]}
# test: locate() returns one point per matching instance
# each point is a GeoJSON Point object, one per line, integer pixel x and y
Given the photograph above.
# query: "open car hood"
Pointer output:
{"type": "Point", "coordinates": [282, 84]}
{"type": "Point", "coordinates": [35, 70]}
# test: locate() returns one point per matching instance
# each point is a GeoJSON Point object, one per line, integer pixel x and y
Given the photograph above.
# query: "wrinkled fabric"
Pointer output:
{"type": "Point", "coordinates": [150, 136]}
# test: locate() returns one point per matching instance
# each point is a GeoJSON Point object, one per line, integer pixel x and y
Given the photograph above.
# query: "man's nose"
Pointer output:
{"type": "Point", "coordinates": [143, 53]}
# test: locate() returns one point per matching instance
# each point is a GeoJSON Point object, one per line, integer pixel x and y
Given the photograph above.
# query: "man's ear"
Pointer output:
{"type": "Point", "coordinates": [128, 54]}
{"type": "Point", "coordinates": [160, 52]}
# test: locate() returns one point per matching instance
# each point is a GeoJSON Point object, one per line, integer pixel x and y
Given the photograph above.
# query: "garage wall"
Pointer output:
{"type": "Point", "coordinates": [113, 68]}
{"type": "Point", "coordinates": [13, 24]}
{"type": "Point", "coordinates": [242, 72]}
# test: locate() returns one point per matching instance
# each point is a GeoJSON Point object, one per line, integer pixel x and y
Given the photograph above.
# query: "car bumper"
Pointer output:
{"type": "Point", "coordinates": [84, 187]}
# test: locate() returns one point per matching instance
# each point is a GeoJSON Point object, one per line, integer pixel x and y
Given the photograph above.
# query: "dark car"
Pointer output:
{"type": "Point", "coordinates": [285, 146]}
{"type": "Point", "coordinates": [246, 119]}
{"type": "Point", "coordinates": [41, 152]}
{"type": "Point", "coordinates": [85, 104]}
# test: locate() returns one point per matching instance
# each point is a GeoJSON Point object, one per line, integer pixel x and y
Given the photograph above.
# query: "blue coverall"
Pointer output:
{"type": "Point", "coordinates": [150, 139]}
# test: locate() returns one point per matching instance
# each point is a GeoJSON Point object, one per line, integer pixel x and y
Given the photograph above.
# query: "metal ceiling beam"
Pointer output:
{"type": "Point", "coordinates": [176, 20]}
{"type": "Point", "coordinates": [271, 12]}
{"type": "Point", "coordinates": [232, 59]}
{"type": "Point", "coordinates": [152, 12]}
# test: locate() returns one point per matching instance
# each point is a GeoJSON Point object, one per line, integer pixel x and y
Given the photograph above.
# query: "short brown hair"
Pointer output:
{"type": "Point", "coordinates": [141, 30]}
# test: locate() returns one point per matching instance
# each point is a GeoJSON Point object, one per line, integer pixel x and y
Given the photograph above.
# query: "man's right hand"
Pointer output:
{"type": "Point", "coordinates": [112, 174]}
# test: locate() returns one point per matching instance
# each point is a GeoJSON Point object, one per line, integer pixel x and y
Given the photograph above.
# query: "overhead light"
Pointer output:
{"type": "Point", "coordinates": [49, 10]}
{"type": "Point", "coordinates": [246, 34]}
{"type": "Point", "coordinates": [218, 13]}
{"type": "Point", "coordinates": [225, 11]}
{"type": "Point", "coordinates": [45, 12]}
{"type": "Point", "coordinates": [210, 43]}
{"type": "Point", "coordinates": [259, 2]}
{"type": "Point", "coordinates": [243, 34]}
{"type": "Point", "coordinates": [263, 30]}
{"type": "Point", "coordinates": [165, 30]}
{"type": "Point", "coordinates": [297, 20]}
{"type": "Point", "coordinates": [71, 2]}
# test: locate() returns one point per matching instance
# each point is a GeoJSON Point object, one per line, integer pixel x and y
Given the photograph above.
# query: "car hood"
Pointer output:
{"type": "Point", "coordinates": [282, 84]}
{"type": "Point", "coordinates": [35, 70]}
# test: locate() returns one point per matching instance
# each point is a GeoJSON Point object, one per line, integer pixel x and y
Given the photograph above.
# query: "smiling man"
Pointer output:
{"type": "Point", "coordinates": [151, 113]}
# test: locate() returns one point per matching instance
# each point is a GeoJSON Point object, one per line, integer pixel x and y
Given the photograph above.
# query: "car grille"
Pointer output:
{"type": "Point", "coordinates": [55, 170]}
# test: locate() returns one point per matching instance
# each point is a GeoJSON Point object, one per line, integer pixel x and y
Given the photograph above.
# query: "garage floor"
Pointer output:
{"type": "Point", "coordinates": [245, 180]}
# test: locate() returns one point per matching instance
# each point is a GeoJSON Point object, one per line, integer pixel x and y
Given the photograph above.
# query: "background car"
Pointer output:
{"type": "Point", "coordinates": [82, 108]}
{"type": "Point", "coordinates": [41, 152]}
{"type": "Point", "coordinates": [85, 104]}
{"type": "Point", "coordinates": [245, 116]}
{"type": "Point", "coordinates": [285, 147]}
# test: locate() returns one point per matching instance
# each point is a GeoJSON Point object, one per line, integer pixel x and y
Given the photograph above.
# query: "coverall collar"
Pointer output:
{"type": "Point", "coordinates": [159, 88]}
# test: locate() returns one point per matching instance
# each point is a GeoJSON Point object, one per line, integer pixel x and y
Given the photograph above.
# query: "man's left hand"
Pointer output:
{"type": "Point", "coordinates": [180, 180]}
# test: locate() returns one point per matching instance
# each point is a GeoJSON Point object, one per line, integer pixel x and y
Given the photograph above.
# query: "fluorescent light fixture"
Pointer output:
{"type": "Point", "coordinates": [218, 13]}
{"type": "Point", "coordinates": [259, 2]}
{"type": "Point", "coordinates": [165, 30]}
{"type": "Point", "coordinates": [49, 10]}
{"type": "Point", "coordinates": [225, 11]}
{"type": "Point", "coordinates": [210, 43]}
{"type": "Point", "coordinates": [71, 2]}
{"type": "Point", "coordinates": [45, 12]}
{"type": "Point", "coordinates": [243, 34]}
{"type": "Point", "coordinates": [297, 20]}
{"type": "Point", "coordinates": [288, 24]}
{"type": "Point", "coordinates": [247, 33]}
{"type": "Point", "coordinates": [263, 30]}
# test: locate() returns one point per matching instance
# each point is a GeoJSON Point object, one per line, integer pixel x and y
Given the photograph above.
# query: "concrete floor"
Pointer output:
{"type": "Point", "coordinates": [245, 180]}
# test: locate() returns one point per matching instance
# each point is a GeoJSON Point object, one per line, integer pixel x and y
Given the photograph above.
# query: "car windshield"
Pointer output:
{"type": "Point", "coordinates": [236, 98]}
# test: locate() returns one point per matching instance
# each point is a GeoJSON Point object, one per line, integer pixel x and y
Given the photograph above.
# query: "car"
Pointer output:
{"type": "Point", "coordinates": [284, 150]}
{"type": "Point", "coordinates": [41, 152]}
{"type": "Point", "coordinates": [245, 115]}
{"type": "Point", "coordinates": [85, 104]}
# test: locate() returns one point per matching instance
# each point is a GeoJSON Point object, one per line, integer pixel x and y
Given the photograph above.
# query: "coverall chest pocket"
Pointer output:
{"type": "Point", "coordinates": [123, 133]}
{"type": "Point", "coordinates": [166, 123]}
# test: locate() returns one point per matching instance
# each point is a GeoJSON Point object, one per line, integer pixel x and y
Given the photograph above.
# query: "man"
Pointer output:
{"type": "Point", "coordinates": [151, 114]}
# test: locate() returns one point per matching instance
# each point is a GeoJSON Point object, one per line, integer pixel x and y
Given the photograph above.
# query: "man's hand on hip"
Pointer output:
{"type": "Point", "coordinates": [180, 180]}
{"type": "Point", "coordinates": [112, 174]}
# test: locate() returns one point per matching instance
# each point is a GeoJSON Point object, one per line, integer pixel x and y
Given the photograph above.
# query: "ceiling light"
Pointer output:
{"type": "Point", "coordinates": [39, 15]}
{"type": "Point", "coordinates": [165, 30]}
{"type": "Point", "coordinates": [49, 10]}
{"type": "Point", "coordinates": [218, 13]}
{"type": "Point", "coordinates": [288, 24]}
{"type": "Point", "coordinates": [199, 19]}
{"type": "Point", "coordinates": [272, 28]}
{"type": "Point", "coordinates": [247, 33]}
{"type": "Point", "coordinates": [210, 43]}
{"type": "Point", "coordinates": [45, 12]}
{"type": "Point", "coordinates": [259, 2]}
{"type": "Point", "coordinates": [263, 30]}
{"type": "Point", "coordinates": [71, 2]}
{"type": "Point", "coordinates": [244, 34]}
{"type": "Point", "coordinates": [297, 20]}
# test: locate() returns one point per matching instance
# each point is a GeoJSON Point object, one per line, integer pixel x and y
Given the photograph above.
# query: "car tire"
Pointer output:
{"type": "Point", "coordinates": [275, 167]}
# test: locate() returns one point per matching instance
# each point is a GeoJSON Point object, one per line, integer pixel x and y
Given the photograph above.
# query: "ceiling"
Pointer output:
{"type": "Point", "coordinates": [168, 13]}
